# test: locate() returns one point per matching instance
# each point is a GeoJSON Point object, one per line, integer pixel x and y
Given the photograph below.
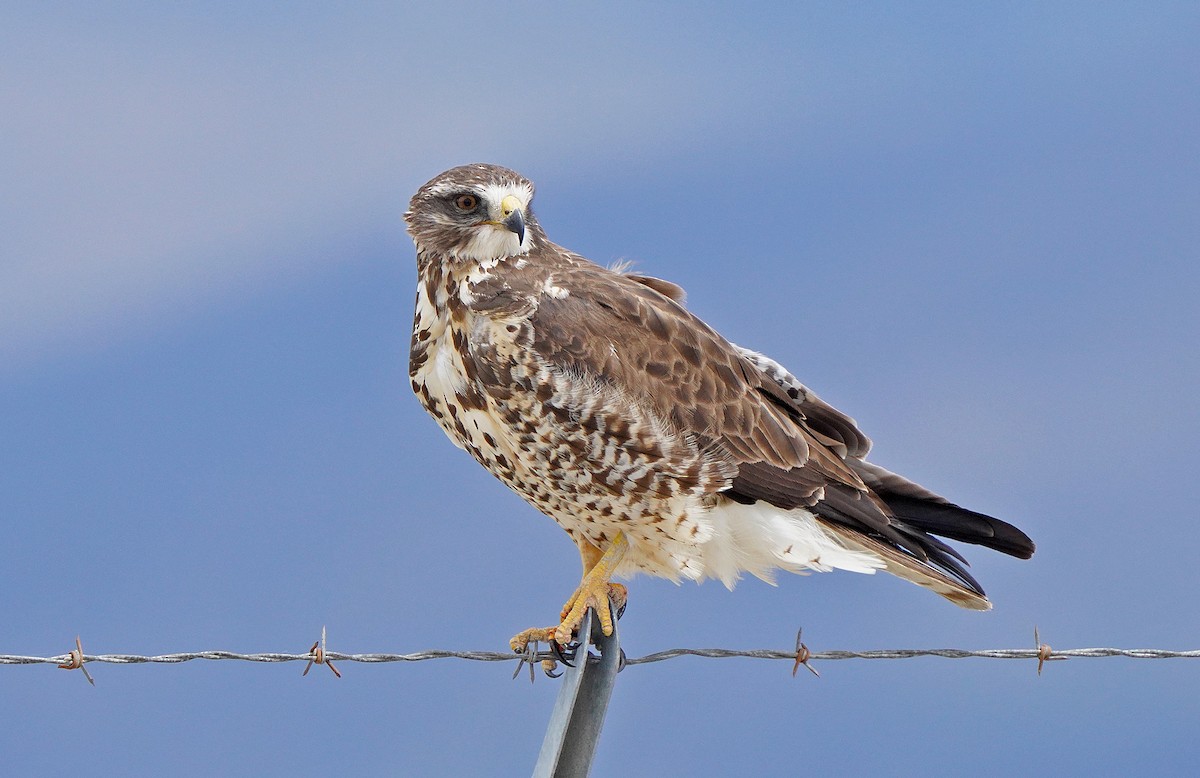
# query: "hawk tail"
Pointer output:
{"type": "Point", "coordinates": [910, 568]}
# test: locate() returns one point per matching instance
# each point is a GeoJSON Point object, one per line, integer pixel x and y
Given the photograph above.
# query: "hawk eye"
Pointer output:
{"type": "Point", "coordinates": [466, 202]}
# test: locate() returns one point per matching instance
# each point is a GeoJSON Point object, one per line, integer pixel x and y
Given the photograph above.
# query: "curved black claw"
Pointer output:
{"type": "Point", "coordinates": [621, 661]}
{"type": "Point", "coordinates": [549, 666]}
{"type": "Point", "coordinates": [621, 610]}
{"type": "Point", "coordinates": [565, 654]}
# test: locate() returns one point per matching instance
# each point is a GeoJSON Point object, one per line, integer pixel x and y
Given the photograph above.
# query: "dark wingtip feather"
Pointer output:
{"type": "Point", "coordinates": [957, 523]}
{"type": "Point", "coordinates": [917, 506]}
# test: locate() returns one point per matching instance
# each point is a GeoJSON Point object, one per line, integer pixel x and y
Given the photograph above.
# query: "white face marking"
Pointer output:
{"type": "Point", "coordinates": [492, 242]}
{"type": "Point", "coordinates": [494, 194]}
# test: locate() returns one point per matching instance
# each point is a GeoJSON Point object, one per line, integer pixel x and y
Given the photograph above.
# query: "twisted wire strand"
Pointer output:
{"type": "Point", "coordinates": [658, 656]}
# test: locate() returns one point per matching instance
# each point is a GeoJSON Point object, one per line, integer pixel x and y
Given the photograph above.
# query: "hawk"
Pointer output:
{"type": "Point", "coordinates": [658, 445]}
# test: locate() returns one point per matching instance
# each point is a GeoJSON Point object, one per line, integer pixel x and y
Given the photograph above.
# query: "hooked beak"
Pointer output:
{"type": "Point", "coordinates": [514, 219]}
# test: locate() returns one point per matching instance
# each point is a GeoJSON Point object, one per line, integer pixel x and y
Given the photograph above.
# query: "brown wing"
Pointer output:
{"type": "Point", "coordinates": [790, 448]}
{"type": "Point", "coordinates": [618, 329]}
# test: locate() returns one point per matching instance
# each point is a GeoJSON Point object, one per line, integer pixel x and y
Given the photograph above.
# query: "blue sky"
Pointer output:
{"type": "Point", "coordinates": [975, 229]}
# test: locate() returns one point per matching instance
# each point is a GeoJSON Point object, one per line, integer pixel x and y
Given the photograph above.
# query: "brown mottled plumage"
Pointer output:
{"type": "Point", "coordinates": [602, 401]}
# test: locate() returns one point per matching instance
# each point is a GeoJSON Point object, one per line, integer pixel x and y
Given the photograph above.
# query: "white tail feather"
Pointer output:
{"type": "Point", "coordinates": [760, 538]}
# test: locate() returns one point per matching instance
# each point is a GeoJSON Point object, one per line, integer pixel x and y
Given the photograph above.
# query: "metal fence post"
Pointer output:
{"type": "Point", "coordinates": [578, 714]}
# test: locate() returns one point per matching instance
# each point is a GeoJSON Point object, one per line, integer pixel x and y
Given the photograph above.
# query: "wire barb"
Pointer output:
{"type": "Point", "coordinates": [1043, 650]}
{"type": "Point", "coordinates": [317, 654]}
{"type": "Point", "coordinates": [75, 661]}
{"type": "Point", "coordinates": [528, 657]}
{"type": "Point", "coordinates": [802, 656]}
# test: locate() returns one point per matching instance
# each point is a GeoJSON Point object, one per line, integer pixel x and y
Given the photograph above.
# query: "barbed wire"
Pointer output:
{"type": "Point", "coordinates": [657, 656]}
{"type": "Point", "coordinates": [909, 653]}
{"type": "Point", "coordinates": [800, 655]}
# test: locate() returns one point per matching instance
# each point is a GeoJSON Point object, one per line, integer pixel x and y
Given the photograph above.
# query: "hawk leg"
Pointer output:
{"type": "Point", "coordinates": [596, 591]}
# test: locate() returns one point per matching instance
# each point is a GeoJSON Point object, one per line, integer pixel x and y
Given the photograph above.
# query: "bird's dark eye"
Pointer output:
{"type": "Point", "coordinates": [466, 202]}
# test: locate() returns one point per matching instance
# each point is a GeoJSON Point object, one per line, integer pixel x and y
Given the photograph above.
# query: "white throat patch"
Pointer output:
{"type": "Point", "coordinates": [492, 244]}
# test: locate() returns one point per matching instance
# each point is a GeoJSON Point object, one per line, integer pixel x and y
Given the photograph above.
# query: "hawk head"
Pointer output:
{"type": "Point", "coordinates": [474, 212]}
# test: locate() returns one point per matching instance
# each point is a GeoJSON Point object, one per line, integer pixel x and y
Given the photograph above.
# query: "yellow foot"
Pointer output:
{"type": "Point", "coordinates": [602, 600]}
{"type": "Point", "coordinates": [599, 595]}
{"type": "Point", "coordinates": [596, 591]}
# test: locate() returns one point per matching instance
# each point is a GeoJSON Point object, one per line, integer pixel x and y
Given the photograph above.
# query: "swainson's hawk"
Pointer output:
{"type": "Point", "coordinates": [659, 446]}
